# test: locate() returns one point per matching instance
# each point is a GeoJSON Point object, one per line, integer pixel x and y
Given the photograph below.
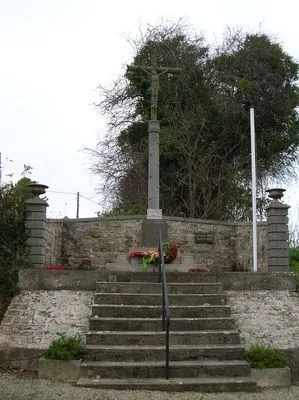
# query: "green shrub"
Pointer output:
{"type": "Point", "coordinates": [65, 348]}
{"type": "Point", "coordinates": [265, 357]}
{"type": "Point", "coordinates": [294, 265]}
{"type": "Point", "coordinates": [294, 260]}
{"type": "Point", "coordinates": [12, 236]}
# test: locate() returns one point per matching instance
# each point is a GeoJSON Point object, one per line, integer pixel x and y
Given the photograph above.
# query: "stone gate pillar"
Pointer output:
{"type": "Point", "coordinates": [35, 224]}
{"type": "Point", "coordinates": [277, 232]}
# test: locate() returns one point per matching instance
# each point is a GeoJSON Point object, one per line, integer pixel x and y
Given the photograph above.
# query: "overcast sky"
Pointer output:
{"type": "Point", "coordinates": [54, 54]}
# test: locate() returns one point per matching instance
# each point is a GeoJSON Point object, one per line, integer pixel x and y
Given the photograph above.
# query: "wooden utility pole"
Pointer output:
{"type": "Point", "coordinates": [78, 200]}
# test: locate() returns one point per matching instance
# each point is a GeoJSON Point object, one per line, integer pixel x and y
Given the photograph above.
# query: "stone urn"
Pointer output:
{"type": "Point", "coordinates": [276, 193]}
{"type": "Point", "coordinates": [37, 189]}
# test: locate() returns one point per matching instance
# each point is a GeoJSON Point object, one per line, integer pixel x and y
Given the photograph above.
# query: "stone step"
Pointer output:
{"type": "Point", "coordinates": [155, 353]}
{"type": "Point", "coordinates": [155, 299]}
{"type": "Point", "coordinates": [151, 324]}
{"type": "Point", "coordinates": [135, 311]}
{"type": "Point", "coordinates": [208, 385]}
{"type": "Point", "coordinates": [148, 276]}
{"type": "Point", "coordinates": [148, 369]}
{"type": "Point", "coordinates": [173, 288]}
{"type": "Point", "coordinates": [147, 338]}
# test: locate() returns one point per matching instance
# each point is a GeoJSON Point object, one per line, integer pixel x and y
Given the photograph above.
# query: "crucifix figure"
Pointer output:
{"type": "Point", "coordinates": [153, 210]}
{"type": "Point", "coordinates": [154, 88]}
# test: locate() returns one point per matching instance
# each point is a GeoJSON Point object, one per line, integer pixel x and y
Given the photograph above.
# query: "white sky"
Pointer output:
{"type": "Point", "coordinates": [54, 54]}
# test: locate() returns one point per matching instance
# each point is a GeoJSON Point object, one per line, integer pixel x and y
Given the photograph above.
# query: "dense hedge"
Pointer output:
{"type": "Point", "coordinates": [12, 237]}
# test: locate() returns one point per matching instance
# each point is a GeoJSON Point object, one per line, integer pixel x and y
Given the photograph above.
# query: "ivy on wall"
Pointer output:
{"type": "Point", "coordinates": [12, 237]}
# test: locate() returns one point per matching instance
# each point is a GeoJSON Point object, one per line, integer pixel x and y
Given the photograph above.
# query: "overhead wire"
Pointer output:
{"type": "Point", "coordinates": [73, 193]}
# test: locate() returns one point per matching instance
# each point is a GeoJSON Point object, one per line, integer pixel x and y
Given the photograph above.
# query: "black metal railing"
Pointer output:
{"type": "Point", "coordinates": [165, 303]}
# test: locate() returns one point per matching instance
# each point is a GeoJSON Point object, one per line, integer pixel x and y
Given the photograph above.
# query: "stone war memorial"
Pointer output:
{"type": "Point", "coordinates": [84, 281]}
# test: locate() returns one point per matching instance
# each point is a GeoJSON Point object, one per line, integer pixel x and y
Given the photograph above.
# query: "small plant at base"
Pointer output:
{"type": "Point", "coordinates": [294, 265]}
{"type": "Point", "coordinates": [265, 357]}
{"type": "Point", "coordinates": [65, 348]}
{"type": "Point", "coordinates": [294, 260]}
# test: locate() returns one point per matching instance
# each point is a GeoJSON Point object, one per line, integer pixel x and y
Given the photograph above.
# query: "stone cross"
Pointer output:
{"type": "Point", "coordinates": [153, 210]}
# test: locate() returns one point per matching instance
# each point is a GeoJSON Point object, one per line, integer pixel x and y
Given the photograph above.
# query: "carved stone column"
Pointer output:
{"type": "Point", "coordinates": [277, 232]}
{"type": "Point", "coordinates": [35, 224]}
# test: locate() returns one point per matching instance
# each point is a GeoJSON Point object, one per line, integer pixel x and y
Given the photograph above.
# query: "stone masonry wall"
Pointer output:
{"type": "Point", "coordinates": [243, 247]}
{"type": "Point", "coordinates": [90, 243]}
{"type": "Point", "coordinates": [231, 249]}
{"type": "Point", "coordinates": [211, 254]}
{"type": "Point", "coordinates": [54, 230]}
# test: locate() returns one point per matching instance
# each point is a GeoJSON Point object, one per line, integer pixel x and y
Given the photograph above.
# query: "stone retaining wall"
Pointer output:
{"type": "Point", "coordinates": [33, 320]}
{"type": "Point", "coordinates": [42, 309]}
{"type": "Point", "coordinates": [34, 279]}
{"type": "Point", "coordinates": [90, 243]}
{"type": "Point", "coordinates": [269, 318]}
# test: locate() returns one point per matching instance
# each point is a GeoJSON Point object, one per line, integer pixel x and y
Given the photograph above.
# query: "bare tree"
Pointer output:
{"type": "Point", "coordinates": [205, 139]}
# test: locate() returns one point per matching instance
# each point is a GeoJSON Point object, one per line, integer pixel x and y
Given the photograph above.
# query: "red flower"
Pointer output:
{"type": "Point", "coordinates": [202, 269]}
{"type": "Point", "coordinates": [54, 267]}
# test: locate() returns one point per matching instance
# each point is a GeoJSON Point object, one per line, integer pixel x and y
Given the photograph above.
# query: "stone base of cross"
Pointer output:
{"type": "Point", "coordinates": [153, 213]}
{"type": "Point", "coordinates": [149, 232]}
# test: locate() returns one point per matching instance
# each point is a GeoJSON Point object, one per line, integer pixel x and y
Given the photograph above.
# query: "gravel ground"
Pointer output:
{"type": "Point", "coordinates": [26, 386]}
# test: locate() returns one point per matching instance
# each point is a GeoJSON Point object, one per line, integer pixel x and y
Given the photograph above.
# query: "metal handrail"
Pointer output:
{"type": "Point", "coordinates": [165, 303]}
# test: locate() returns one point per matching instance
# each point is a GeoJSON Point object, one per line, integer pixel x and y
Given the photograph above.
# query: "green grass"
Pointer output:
{"type": "Point", "coordinates": [294, 264]}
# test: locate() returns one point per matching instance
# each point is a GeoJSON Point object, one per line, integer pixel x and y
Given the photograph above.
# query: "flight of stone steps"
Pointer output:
{"type": "Point", "coordinates": [125, 346]}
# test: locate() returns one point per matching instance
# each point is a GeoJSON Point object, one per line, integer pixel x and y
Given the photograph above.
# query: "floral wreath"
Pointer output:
{"type": "Point", "coordinates": [152, 256]}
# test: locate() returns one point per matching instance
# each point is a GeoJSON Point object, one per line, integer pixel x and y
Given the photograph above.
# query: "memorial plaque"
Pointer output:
{"type": "Point", "coordinates": [200, 237]}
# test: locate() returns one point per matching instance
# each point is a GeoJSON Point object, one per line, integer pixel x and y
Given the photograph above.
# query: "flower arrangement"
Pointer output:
{"type": "Point", "coordinates": [151, 256]}
{"type": "Point", "coordinates": [169, 251]}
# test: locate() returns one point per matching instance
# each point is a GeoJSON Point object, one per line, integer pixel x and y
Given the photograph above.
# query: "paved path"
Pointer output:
{"type": "Point", "coordinates": [25, 386]}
